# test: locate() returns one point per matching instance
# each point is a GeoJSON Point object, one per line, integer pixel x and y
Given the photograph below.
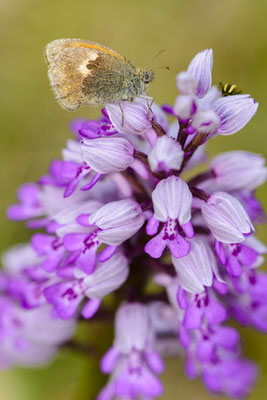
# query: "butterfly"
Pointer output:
{"type": "Point", "coordinates": [86, 73]}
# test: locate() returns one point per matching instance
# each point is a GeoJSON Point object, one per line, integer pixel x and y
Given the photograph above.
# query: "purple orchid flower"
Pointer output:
{"type": "Point", "coordinates": [172, 205]}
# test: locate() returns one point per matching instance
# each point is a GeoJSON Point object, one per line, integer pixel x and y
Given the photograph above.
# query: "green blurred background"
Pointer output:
{"type": "Point", "coordinates": [34, 128]}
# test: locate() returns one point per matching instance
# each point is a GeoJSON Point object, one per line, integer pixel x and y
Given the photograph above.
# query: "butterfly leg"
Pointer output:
{"type": "Point", "coordinates": [149, 105]}
{"type": "Point", "coordinates": [122, 115]}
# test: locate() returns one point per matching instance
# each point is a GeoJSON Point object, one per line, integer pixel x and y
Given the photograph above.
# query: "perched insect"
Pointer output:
{"type": "Point", "coordinates": [87, 73]}
{"type": "Point", "coordinates": [228, 90]}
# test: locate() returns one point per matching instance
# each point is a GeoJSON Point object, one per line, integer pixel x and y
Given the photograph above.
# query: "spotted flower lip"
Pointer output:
{"type": "Point", "coordinates": [66, 296]}
{"type": "Point", "coordinates": [91, 129]}
{"type": "Point", "coordinates": [132, 358]}
{"type": "Point", "coordinates": [67, 174]}
{"type": "Point", "coordinates": [236, 256]}
{"type": "Point", "coordinates": [248, 305]}
{"type": "Point", "coordinates": [172, 204]}
{"type": "Point", "coordinates": [51, 248]}
{"type": "Point", "coordinates": [233, 377]}
{"type": "Point", "coordinates": [111, 224]}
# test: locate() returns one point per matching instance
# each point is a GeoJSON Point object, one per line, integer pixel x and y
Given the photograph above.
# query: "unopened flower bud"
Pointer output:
{"type": "Point", "coordinates": [200, 68]}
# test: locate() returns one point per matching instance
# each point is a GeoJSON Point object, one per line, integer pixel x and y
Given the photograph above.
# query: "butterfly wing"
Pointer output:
{"type": "Point", "coordinates": [86, 73]}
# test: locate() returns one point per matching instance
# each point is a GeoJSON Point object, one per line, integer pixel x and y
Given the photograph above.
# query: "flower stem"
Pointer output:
{"type": "Point", "coordinates": [200, 178]}
{"type": "Point", "coordinates": [158, 129]}
{"type": "Point", "coordinates": [192, 146]}
{"type": "Point", "coordinates": [200, 194]}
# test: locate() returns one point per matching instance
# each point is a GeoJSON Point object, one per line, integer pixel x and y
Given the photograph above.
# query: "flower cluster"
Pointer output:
{"type": "Point", "coordinates": [116, 214]}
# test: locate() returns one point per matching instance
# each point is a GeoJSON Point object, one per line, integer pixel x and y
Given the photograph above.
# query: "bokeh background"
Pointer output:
{"type": "Point", "coordinates": [34, 128]}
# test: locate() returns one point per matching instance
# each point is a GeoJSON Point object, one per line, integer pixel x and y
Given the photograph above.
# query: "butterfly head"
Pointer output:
{"type": "Point", "coordinates": [147, 75]}
{"type": "Point", "coordinates": [139, 84]}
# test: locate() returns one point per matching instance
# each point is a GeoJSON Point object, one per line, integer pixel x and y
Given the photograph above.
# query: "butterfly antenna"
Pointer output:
{"type": "Point", "coordinates": [154, 58]}
{"type": "Point", "coordinates": [163, 67]}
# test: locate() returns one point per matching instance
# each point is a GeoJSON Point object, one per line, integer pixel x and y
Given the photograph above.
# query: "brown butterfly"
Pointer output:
{"type": "Point", "coordinates": [86, 73]}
